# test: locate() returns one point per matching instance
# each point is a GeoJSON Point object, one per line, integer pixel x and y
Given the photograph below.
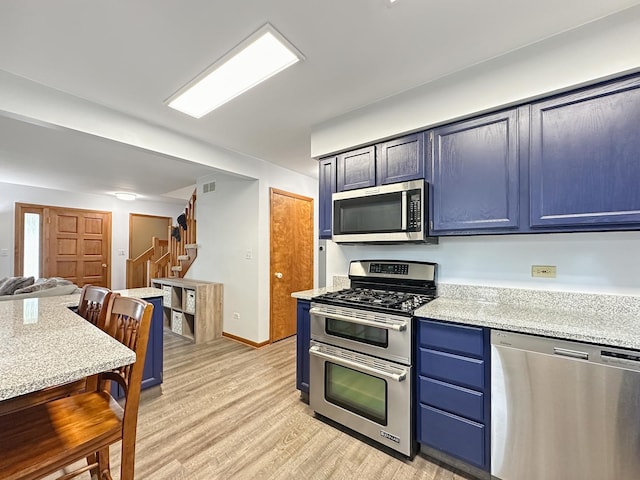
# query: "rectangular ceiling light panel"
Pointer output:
{"type": "Point", "coordinates": [259, 57]}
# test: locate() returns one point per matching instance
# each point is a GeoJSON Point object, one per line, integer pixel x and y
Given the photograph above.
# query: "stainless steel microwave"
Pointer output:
{"type": "Point", "coordinates": [385, 214]}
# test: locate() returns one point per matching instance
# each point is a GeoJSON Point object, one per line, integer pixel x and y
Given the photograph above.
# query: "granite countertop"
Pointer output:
{"type": "Point", "coordinates": [602, 319]}
{"type": "Point", "coordinates": [46, 344]}
{"type": "Point", "coordinates": [309, 294]}
{"type": "Point", "coordinates": [612, 320]}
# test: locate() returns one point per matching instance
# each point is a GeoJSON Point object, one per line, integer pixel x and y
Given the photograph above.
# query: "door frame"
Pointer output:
{"type": "Point", "coordinates": [273, 191]}
{"type": "Point", "coordinates": [43, 210]}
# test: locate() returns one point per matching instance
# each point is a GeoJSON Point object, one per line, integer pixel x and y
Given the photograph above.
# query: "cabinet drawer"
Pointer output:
{"type": "Point", "coordinates": [452, 398]}
{"type": "Point", "coordinates": [453, 435]}
{"type": "Point", "coordinates": [465, 371]}
{"type": "Point", "coordinates": [451, 338]}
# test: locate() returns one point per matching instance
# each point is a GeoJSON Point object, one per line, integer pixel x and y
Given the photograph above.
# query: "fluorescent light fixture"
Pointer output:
{"type": "Point", "coordinates": [257, 58]}
{"type": "Point", "coordinates": [125, 196]}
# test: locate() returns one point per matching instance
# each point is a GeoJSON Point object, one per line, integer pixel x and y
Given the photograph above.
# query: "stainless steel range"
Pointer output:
{"type": "Point", "coordinates": [361, 349]}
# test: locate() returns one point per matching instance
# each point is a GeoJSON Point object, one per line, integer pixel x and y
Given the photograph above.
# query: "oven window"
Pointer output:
{"type": "Point", "coordinates": [358, 392]}
{"type": "Point", "coordinates": [360, 333]}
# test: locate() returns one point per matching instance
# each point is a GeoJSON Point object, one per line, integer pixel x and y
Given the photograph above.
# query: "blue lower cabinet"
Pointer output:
{"type": "Point", "coordinates": [453, 390]}
{"type": "Point", "coordinates": [152, 373]}
{"type": "Point", "coordinates": [452, 398]}
{"type": "Point", "coordinates": [452, 434]}
{"type": "Point", "coordinates": [303, 339]}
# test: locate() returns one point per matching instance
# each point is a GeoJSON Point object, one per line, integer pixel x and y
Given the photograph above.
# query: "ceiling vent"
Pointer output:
{"type": "Point", "coordinates": [209, 187]}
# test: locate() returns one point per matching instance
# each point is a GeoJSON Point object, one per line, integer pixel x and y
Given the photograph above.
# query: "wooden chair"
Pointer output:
{"type": "Point", "coordinates": [40, 440]}
{"type": "Point", "coordinates": [92, 306]}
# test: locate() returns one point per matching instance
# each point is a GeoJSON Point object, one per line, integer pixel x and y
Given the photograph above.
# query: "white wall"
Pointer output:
{"type": "Point", "coordinates": [10, 194]}
{"type": "Point", "coordinates": [231, 220]}
{"type": "Point", "coordinates": [227, 227]}
{"type": "Point", "coordinates": [588, 262]}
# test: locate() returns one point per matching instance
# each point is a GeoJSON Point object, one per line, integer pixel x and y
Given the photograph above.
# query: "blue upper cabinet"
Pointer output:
{"type": "Point", "coordinates": [356, 169]}
{"type": "Point", "coordinates": [327, 186]}
{"type": "Point", "coordinates": [401, 159]}
{"type": "Point", "coordinates": [476, 175]}
{"type": "Point", "coordinates": [585, 159]}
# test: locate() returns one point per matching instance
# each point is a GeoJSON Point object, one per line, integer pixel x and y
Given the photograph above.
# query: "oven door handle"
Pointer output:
{"type": "Point", "coordinates": [398, 327]}
{"type": "Point", "coordinates": [313, 350]}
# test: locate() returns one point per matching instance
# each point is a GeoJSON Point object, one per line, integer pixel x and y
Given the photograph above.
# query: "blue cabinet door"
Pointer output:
{"type": "Point", "coordinates": [453, 390]}
{"type": "Point", "coordinates": [303, 339]}
{"type": "Point", "coordinates": [585, 158]}
{"type": "Point", "coordinates": [152, 374]}
{"type": "Point", "coordinates": [401, 159]}
{"type": "Point", "coordinates": [327, 186]}
{"type": "Point", "coordinates": [356, 169]}
{"type": "Point", "coordinates": [476, 175]}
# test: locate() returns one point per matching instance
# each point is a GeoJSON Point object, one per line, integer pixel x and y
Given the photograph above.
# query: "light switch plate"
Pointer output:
{"type": "Point", "coordinates": [545, 271]}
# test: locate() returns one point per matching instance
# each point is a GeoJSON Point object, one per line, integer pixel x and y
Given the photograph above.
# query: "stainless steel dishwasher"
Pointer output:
{"type": "Point", "coordinates": [563, 410]}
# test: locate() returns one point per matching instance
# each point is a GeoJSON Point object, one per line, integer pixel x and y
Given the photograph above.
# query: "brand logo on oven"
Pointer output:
{"type": "Point", "coordinates": [388, 436]}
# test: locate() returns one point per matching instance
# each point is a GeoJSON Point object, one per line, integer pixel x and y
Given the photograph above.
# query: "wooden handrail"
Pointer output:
{"type": "Point", "coordinates": [149, 270]}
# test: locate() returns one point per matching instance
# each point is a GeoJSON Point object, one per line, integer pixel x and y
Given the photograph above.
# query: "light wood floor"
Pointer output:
{"type": "Point", "coordinates": [229, 411]}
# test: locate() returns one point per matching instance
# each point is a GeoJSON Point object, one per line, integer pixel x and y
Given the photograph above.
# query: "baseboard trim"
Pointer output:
{"type": "Point", "coordinates": [245, 341]}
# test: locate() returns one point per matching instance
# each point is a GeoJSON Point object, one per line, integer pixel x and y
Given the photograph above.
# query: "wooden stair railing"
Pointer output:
{"type": "Point", "coordinates": [145, 266]}
{"type": "Point", "coordinates": [166, 258]}
{"type": "Point", "coordinates": [183, 252]}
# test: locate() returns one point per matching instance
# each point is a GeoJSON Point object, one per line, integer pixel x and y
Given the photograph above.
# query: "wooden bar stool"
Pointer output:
{"type": "Point", "coordinates": [42, 439]}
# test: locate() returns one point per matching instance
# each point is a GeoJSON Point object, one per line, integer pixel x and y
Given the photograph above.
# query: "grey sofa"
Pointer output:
{"type": "Point", "coordinates": [15, 288]}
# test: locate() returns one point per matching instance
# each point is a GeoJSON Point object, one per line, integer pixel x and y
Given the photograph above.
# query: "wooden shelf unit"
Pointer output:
{"type": "Point", "coordinates": [191, 308]}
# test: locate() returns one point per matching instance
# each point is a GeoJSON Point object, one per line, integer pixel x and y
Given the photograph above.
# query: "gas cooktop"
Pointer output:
{"type": "Point", "coordinates": [382, 299]}
{"type": "Point", "coordinates": [386, 286]}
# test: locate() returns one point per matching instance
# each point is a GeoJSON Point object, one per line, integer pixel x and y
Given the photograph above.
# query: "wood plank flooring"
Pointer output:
{"type": "Point", "coordinates": [229, 411]}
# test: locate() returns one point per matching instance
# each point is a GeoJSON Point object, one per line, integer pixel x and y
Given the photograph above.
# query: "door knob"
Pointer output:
{"type": "Point", "coordinates": [278, 275]}
{"type": "Point", "coordinates": [104, 265]}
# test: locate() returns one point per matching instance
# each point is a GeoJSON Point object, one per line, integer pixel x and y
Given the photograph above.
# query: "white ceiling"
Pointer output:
{"type": "Point", "coordinates": [131, 56]}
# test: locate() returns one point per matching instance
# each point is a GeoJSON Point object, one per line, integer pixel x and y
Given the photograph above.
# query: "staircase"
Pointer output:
{"type": "Point", "coordinates": [167, 258]}
{"type": "Point", "coordinates": [183, 252]}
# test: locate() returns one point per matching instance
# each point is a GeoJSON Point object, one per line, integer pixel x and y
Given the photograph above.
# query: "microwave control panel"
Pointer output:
{"type": "Point", "coordinates": [414, 223]}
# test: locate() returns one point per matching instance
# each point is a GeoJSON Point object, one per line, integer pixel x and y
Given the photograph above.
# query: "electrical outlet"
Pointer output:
{"type": "Point", "coordinates": [248, 254]}
{"type": "Point", "coordinates": [236, 316]}
{"type": "Point", "coordinates": [545, 271]}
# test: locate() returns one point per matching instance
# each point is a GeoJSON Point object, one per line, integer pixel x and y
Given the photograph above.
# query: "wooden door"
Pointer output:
{"type": "Point", "coordinates": [291, 258]}
{"type": "Point", "coordinates": [77, 246]}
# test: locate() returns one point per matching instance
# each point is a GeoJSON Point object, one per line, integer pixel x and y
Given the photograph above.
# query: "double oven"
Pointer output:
{"type": "Point", "coordinates": [361, 353]}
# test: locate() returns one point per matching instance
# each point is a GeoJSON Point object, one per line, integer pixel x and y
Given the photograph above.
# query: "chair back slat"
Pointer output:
{"type": "Point", "coordinates": [92, 303]}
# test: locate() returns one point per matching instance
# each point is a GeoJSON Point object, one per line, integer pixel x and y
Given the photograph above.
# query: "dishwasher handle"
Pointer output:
{"type": "Point", "coordinates": [565, 352]}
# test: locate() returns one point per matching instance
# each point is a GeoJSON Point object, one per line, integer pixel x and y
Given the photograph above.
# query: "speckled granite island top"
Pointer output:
{"type": "Point", "coordinates": [43, 343]}
{"type": "Point", "coordinates": [603, 319]}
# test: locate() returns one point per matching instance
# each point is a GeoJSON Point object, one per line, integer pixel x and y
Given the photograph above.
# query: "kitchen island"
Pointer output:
{"type": "Point", "coordinates": [44, 343]}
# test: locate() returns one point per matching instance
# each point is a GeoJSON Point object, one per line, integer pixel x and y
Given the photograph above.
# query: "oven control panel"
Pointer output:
{"type": "Point", "coordinates": [389, 268]}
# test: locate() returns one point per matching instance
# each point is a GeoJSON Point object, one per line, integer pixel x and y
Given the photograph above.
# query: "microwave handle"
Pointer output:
{"type": "Point", "coordinates": [403, 225]}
